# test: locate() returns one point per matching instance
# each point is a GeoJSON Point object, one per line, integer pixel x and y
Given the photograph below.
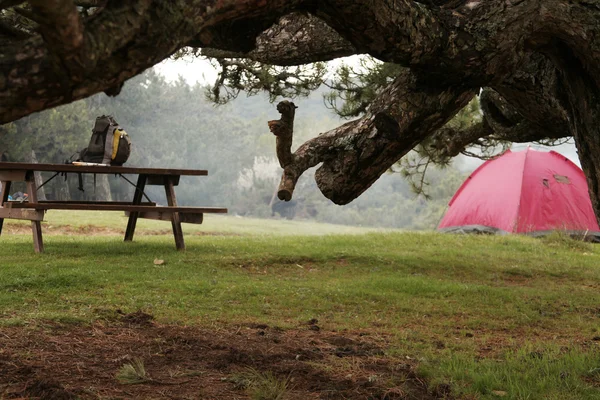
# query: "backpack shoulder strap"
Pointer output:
{"type": "Point", "coordinates": [108, 144]}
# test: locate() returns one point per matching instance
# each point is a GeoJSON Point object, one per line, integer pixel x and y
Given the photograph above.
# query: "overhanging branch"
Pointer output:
{"type": "Point", "coordinates": [501, 124]}
{"type": "Point", "coordinates": [113, 50]}
{"type": "Point", "coordinates": [91, 3]}
{"type": "Point", "coordinates": [403, 31]}
{"type": "Point", "coordinates": [355, 154]}
{"type": "Point", "coordinates": [12, 31]}
{"type": "Point", "coordinates": [10, 3]}
{"type": "Point", "coordinates": [62, 29]}
{"type": "Point", "coordinates": [295, 39]}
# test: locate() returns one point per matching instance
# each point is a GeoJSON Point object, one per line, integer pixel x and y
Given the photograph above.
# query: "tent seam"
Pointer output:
{"type": "Point", "coordinates": [516, 221]}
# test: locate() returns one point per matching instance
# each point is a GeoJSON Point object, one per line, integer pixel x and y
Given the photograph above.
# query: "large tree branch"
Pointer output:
{"type": "Point", "coordinates": [10, 3]}
{"type": "Point", "coordinates": [580, 96]}
{"type": "Point", "coordinates": [13, 32]}
{"type": "Point", "coordinates": [501, 122]}
{"type": "Point", "coordinates": [403, 31]}
{"type": "Point", "coordinates": [114, 55]}
{"type": "Point", "coordinates": [450, 43]}
{"type": "Point", "coordinates": [523, 107]}
{"type": "Point", "coordinates": [533, 89]}
{"type": "Point", "coordinates": [296, 39]}
{"type": "Point", "coordinates": [449, 141]}
{"type": "Point", "coordinates": [355, 154]}
{"type": "Point", "coordinates": [573, 25]}
{"type": "Point", "coordinates": [33, 78]}
{"type": "Point", "coordinates": [90, 3]}
{"type": "Point", "coordinates": [61, 27]}
{"type": "Point", "coordinates": [450, 46]}
{"type": "Point", "coordinates": [120, 42]}
{"type": "Point", "coordinates": [507, 124]}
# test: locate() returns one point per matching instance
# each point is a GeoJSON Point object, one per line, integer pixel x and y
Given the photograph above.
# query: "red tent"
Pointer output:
{"type": "Point", "coordinates": [523, 192]}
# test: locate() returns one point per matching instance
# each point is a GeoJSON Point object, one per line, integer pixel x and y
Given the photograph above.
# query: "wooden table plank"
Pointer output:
{"type": "Point", "coordinates": [93, 202]}
{"type": "Point", "coordinates": [112, 207]}
{"type": "Point", "coordinates": [21, 213]}
{"type": "Point", "coordinates": [12, 166]}
{"type": "Point", "coordinates": [184, 217]}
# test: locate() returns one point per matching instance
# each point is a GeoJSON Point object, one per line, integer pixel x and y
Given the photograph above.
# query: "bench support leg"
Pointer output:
{"type": "Point", "coordinates": [36, 226]}
{"type": "Point", "coordinates": [4, 197]}
{"type": "Point", "coordinates": [175, 220]}
{"type": "Point", "coordinates": [137, 199]}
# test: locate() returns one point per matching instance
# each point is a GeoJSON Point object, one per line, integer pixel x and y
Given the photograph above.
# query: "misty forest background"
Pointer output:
{"type": "Point", "coordinates": [173, 125]}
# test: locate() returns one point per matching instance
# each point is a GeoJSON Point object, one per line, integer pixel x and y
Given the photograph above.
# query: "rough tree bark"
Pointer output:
{"type": "Point", "coordinates": [539, 61]}
{"type": "Point", "coordinates": [357, 153]}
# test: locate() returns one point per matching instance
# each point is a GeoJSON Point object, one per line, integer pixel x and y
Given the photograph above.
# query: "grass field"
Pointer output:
{"type": "Point", "coordinates": [96, 221]}
{"type": "Point", "coordinates": [473, 317]}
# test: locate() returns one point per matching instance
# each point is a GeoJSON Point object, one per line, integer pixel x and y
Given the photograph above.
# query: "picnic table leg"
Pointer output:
{"type": "Point", "coordinates": [175, 220]}
{"type": "Point", "coordinates": [36, 226]}
{"type": "Point", "coordinates": [4, 197]}
{"type": "Point", "coordinates": [137, 199]}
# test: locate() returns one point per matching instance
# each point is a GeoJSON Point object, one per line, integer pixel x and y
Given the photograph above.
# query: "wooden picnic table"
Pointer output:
{"type": "Point", "coordinates": [34, 210]}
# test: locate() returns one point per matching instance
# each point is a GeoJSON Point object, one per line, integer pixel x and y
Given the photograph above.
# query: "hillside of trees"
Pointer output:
{"type": "Point", "coordinates": [173, 125]}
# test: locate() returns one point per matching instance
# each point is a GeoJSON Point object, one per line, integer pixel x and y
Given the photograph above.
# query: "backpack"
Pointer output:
{"type": "Point", "coordinates": [109, 143]}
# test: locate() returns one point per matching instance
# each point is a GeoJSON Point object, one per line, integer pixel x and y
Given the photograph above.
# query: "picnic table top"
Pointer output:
{"type": "Point", "coordinates": [16, 166]}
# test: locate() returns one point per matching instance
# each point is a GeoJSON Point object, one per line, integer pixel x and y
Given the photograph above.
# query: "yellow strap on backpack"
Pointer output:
{"type": "Point", "coordinates": [116, 137]}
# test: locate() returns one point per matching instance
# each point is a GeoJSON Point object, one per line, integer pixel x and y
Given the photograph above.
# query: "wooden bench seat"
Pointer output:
{"type": "Point", "coordinates": [98, 206]}
{"type": "Point", "coordinates": [35, 211]}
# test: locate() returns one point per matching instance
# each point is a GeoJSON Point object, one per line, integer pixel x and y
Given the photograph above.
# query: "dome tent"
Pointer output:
{"type": "Point", "coordinates": [530, 192]}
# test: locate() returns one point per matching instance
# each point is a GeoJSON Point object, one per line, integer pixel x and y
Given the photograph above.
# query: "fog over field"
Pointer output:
{"type": "Point", "coordinates": [172, 124]}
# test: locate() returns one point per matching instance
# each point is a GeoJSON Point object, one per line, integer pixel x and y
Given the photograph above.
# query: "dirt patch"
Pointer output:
{"type": "Point", "coordinates": [48, 390]}
{"type": "Point", "coordinates": [58, 362]}
{"type": "Point", "coordinates": [138, 318]}
{"type": "Point", "coordinates": [19, 229]}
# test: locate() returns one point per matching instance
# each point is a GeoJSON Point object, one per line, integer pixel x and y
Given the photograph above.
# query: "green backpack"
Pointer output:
{"type": "Point", "coordinates": [108, 145]}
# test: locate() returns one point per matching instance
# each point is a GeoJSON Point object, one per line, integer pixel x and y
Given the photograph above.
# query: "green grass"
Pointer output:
{"type": "Point", "coordinates": [261, 385]}
{"type": "Point", "coordinates": [509, 317]}
{"type": "Point", "coordinates": [530, 372]}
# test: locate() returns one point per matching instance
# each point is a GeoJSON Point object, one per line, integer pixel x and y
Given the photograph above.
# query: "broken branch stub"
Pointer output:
{"type": "Point", "coordinates": [283, 129]}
